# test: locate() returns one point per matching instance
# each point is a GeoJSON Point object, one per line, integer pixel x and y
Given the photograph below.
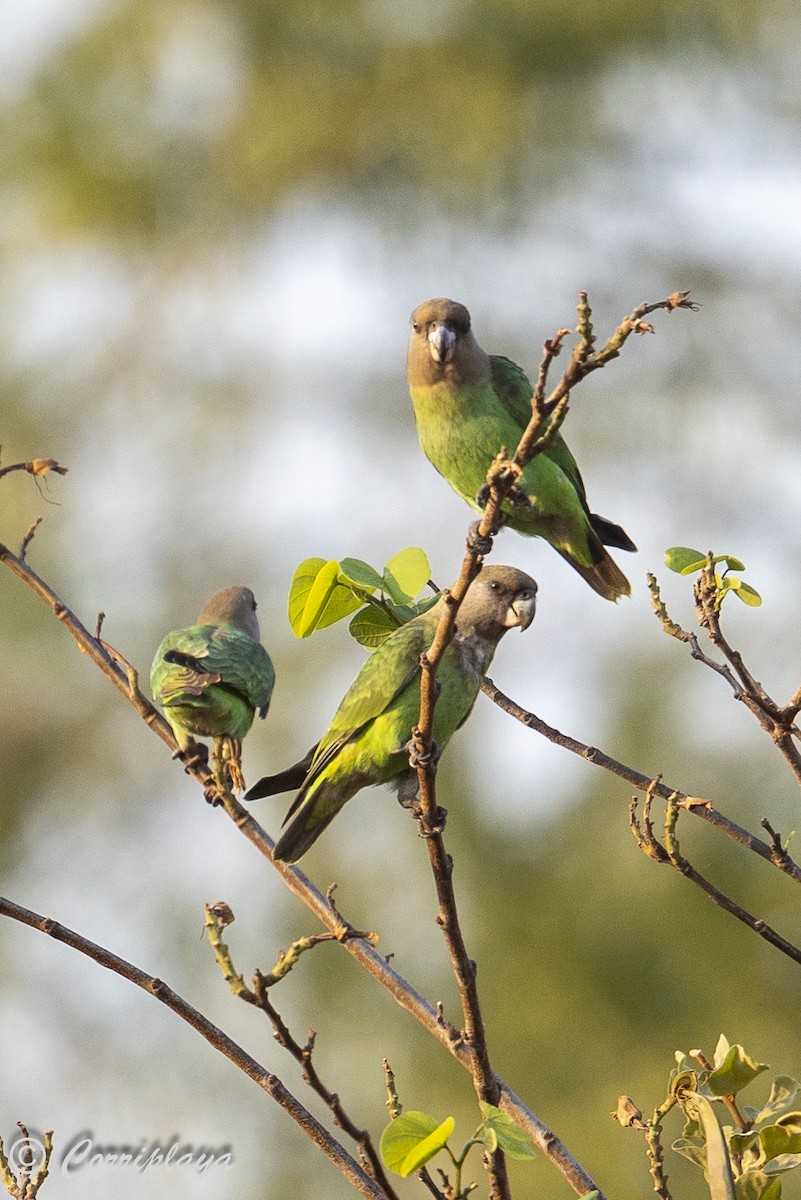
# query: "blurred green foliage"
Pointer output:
{"type": "Point", "coordinates": [158, 117]}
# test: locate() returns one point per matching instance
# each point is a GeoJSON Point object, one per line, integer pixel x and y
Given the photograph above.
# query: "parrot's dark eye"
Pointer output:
{"type": "Point", "coordinates": [495, 585]}
{"type": "Point", "coordinates": [415, 327]}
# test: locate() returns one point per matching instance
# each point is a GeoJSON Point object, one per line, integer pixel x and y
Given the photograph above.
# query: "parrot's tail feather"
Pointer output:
{"type": "Point", "coordinates": [604, 577]}
{"type": "Point", "coordinates": [611, 534]}
{"type": "Point", "coordinates": [312, 811]}
{"type": "Point", "coordinates": [300, 835]}
{"type": "Point", "coordinates": [284, 781]}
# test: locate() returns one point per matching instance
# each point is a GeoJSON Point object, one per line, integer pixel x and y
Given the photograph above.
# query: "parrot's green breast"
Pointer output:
{"type": "Point", "coordinates": [377, 748]}
{"type": "Point", "coordinates": [461, 431]}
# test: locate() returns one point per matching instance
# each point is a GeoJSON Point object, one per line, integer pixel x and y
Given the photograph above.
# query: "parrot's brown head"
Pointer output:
{"type": "Point", "coordinates": [442, 346]}
{"type": "Point", "coordinates": [232, 606]}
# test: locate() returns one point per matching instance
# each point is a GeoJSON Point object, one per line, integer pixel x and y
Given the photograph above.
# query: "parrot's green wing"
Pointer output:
{"type": "Point", "coordinates": [223, 652]}
{"type": "Point", "coordinates": [386, 673]}
{"type": "Point", "coordinates": [514, 391]}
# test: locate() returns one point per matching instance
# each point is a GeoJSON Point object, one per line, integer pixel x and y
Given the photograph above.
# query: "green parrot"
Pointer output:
{"type": "Point", "coordinates": [367, 741]}
{"type": "Point", "coordinates": [212, 677]}
{"type": "Point", "coordinates": [467, 404]}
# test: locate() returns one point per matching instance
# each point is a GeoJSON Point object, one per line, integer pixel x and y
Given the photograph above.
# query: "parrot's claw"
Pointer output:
{"type": "Point", "coordinates": [196, 754]}
{"type": "Point", "coordinates": [236, 776]}
{"type": "Point", "coordinates": [440, 817]}
{"type": "Point", "coordinates": [519, 498]}
{"type": "Point", "coordinates": [477, 542]}
{"type": "Point", "coordinates": [227, 764]}
{"type": "Point", "coordinates": [417, 760]}
{"type": "Point", "coordinates": [213, 795]}
{"type": "Point", "coordinates": [482, 498]}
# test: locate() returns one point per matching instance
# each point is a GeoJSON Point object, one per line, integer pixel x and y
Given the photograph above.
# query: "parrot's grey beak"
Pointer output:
{"type": "Point", "coordinates": [441, 341]}
{"type": "Point", "coordinates": [521, 610]}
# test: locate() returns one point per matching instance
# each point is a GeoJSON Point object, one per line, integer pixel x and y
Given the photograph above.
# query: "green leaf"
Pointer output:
{"type": "Point", "coordinates": [782, 1097]}
{"type": "Point", "coordinates": [778, 1166]}
{"type": "Point", "coordinates": [406, 574]}
{"type": "Point", "coordinates": [740, 1142]}
{"type": "Point", "coordinates": [721, 1050]}
{"type": "Point", "coordinates": [361, 574]}
{"type": "Point", "coordinates": [691, 1150]}
{"type": "Point", "coordinates": [692, 1128]}
{"type": "Point", "coordinates": [372, 626]}
{"type": "Point", "coordinates": [683, 560]}
{"type": "Point", "coordinates": [734, 1071]}
{"type": "Point", "coordinates": [315, 597]}
{"type": "Point", "coordinates": [782, 1138]}
{"type": "Point", "coordinates": [747, 594]}
{"type": "Point", "coordinates": [301, 585]}
{"type": "Point", "coordinates": [411, 1140]}
{"type": "Point", "coordinates": [731, 562]}
{"type": "Point", "coordinates": [513, 1140]}
{"type": "Point", "coordinates": [421, 606]}
{"type": "Point", "coordinates": [755, 1185]}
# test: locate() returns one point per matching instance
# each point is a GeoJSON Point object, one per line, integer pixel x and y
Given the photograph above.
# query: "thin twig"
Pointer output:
{"type": "Point", "coordinates": [681, 864]}
{"type": "Point", "coordinates": [38, 467]}
{"type": "Point", "coordinates": [217, 917]}
{"type": "Point", "coordinates": [303, 1055]}
{"type": "Point", "coordinates": [777, 720]}
{"type": "Point", "coordinates": [268, 1082]}
{"type": "Point", "coordinates": [693, 804]}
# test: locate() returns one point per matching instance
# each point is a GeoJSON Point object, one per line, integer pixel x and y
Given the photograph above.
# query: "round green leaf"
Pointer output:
{"type": "Point", "coordinates": [510, 1138]}
{"type": "Point", "coordinates": [353, 570]}
{"type": "Point", "coordinates": [341, 603]}
{"type": "Point", "coordinates": [731, 562]}
{"type": "Point", "coordinates": [782, 1097]}
{"type": "Point", "coordinates": [301, 585]}
{"type": "Point", "coordinates": [740, 1142]}
{"type": "Point", "coordinates": [782, 1138]}
{"type": "Point", "coordinates": [406, 574]}
{"type": "Point", "coordinates": [690, 1150]}
{"type": "Point", "coordinates": [748, 595]}
{"type": "Point", "coordinates": [684, 560]}
{"type": "Point", "coordinates": [733, 1072]}
{"type": "Point", "coordinates": [755, 1185]}
{"type": "Point", "coordinates": [411, 1140]}
{"type": "Point", "coordinates": [786, 1162]}
{"type": "Point", "coordinates": [315, 597]}
{"type": "Point", "coordinates": [421, 606]}
{"type": "Point", "coordinates": [372, 626]}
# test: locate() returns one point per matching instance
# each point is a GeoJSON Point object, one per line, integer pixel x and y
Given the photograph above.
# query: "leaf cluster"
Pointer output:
{"type": "Point", "coordinates": [413, 1138]}
{"type": "Point", "coordinates": [745, 1159]}
{"type": "Point", "coordinates": [323, 592]}
{"type": "Point", "coordinates": [686, 561]}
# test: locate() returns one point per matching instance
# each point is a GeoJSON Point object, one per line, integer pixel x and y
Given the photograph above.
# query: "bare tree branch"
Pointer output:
{"type": "Point", "coordinates": [217, 917]}
{"type": "Point", "coordinates": [693, 804]}
{"type": "Point", "coordinates": [670, 853]}
{"type": "Point", "coordinates": [777, 720]}
{"type": "Point", "coordinates": [268, 1082]}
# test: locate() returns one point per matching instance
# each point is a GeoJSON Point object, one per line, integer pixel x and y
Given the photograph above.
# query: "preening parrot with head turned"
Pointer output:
{"type": "Point", "coordinates": [212, 677]}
